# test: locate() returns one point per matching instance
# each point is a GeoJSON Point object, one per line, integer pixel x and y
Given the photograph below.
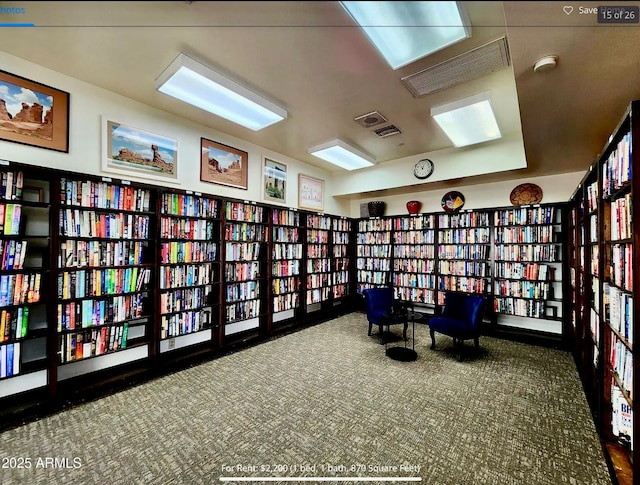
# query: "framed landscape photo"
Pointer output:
{"type": "Point", "coordinates": [33, 114]}
{"type": "Point", "coordinates": [131, 151]}
{"type": "Point", "coordinates": [310, 193]}
{"type": "Point", "coordinates": [275, 181]}
{"type": "Point", "coordinates": [222, 164]}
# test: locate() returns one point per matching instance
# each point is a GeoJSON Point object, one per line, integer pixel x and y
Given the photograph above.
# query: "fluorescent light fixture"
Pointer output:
{"type": "Point", "coordinates": [201, 86]}
{"type": "Point", "coordinates": [404, 32]}
{"type": "Point", "coordinates": [468, 121]}
{"type": "Point", "coordinates": [342, 155]}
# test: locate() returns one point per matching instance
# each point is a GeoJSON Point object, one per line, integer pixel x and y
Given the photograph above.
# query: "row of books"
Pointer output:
{"type": "Point", "coordinates": [10, 360]}
{"type": "Point", "coordinates": [286, 301]}
{"type": "Point", "coordinates": [464, 236]}
{"type": "Point", "coordinates": [414, 237]}
{"type": "Point", "coordinates": [465, 284]}
{"type": "Point", "coordinates": [12, 254]}
{"type": "Point", "coordinates": [419, 295]}
{"type": "Point", "coordinates": [185, 275]}
{"type": "Point", "coordinates": [287, 251]}
{"type": "Point", "coordinates": [622, 266]}
{"type": "Point", "coordinates": [525, 271]}
{"type": "Point", "coordinates": [528, 234]}
{"type": "Point", "coordinates": [319, 222]}
{"type": "Point", "coordinates": [184, 323]}
{"type": "Point", "coordinates": [340, 277]}
{"type": "Point", "coordinates": [184, 299]}
{"type": "Point", "coordinates": [593, 228]}
{"type": "Point", "coordinates": [525, 216]}
{"type": "Point", "coordinates": [373, 238]}
{"type": "Point", "coordinates": [90, 343]}
{"type": "Point", "coordinates": [14, 323]}
{"type": "Point", "coordinates": [342, 224]}
{"type": "Point", "coordinates": [317, 251]}
{"type": "Point", "coordinates": [520, 308]}
{"type": "Point", "coordinates": [470, 251]}
{"type": "Point", "coordinates": [237, 211]}
{"type": "Point", "coordinates": [242, 271]}
{"type": "Point", "coordinates": [340, 251]}
{"type": "Point", "coordinates": [340, 237]}
{"type": "Point", "coordinates": [592, 196]}
{"type": "Point", "coordinates": [463, 219]}
{"type": "Point", "coordinates": [372, 277]}
{"type": "Point", "coordinates": [176, 252]}
{"type": "Point", "coordinates": [11, 186]}
{"type": "Point", "coordinates": [189, 205]}
{"type": "Point", "coordinates": [317, 236]}
{"type": "Point", "coordinates": [234, 231]}
{"type": "Point", "coordinates": [99, 282]}
{"type": "Point", "coordinates": [285, 285]}
{"type": "Point", "coordinates": [90, 224]}
{"type": "Point", "coordinates": [527, 253]}
{"type": "Point", "coordinates": [340, 291]}
{"type": "Point", "coordinates": [92, 313]}
{"type": "Point", "coordinates": [373, 264]}
{"type": "Point", "coordinates": [285, 268]}
{"type": "Point", "coordinates": [621, 218]}
{"type": "Point", "coordinates": [242, 251]}
{"type": "Point", "coordinates": [10, 218]}
{"type": "Point", "coordinates": [414, 265]}
{"type": "Point", "coordinates": [194, 229]}
{"type": "Point", "coordinates": [242, 310]}
{"type": "Point", "coordinates": [414, 280]}
{"type": "Point", "coordinates": [20, 288]}
{"type": "Point", "coordinates": [79, 253]}
{"type": "Point", "coordinates": [318, 280]}
{"type": "Point", "coordinates": [285, 234]}
{"type": "Point", "coordinates": [247, 290]}
{"type": "Point", "coordinates": [411, 223]}
{"type": "Point", "coordinates": [285, 217]}
{"type": "Point", "coordinates": [418, 251]}
{"type": "Point", "coordinates": [616, 170]}
{"type": "Point", "coordinates": [377, 251]}
{"type": "Point", "coordinates": [375, 225]}
{"type": "Point", "coordinates": [318, 295]}
{"type": "Point", "coordinates": [318, 265]}
{"type": "Point", "coordinates": [621, 417]}
{"type": "Point", "coordinates": [621, 360]}
{"type": "Point", "coordinates": [618, 310]}
{"type": "Point", "coordinates": [102, 195]}
{"type": "Point", "coordinates": [464, 268]}
{"type": "Point", "coordinates": [523, 289]}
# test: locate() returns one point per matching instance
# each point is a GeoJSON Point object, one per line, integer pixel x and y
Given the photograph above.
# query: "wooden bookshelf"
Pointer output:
{"type": "Point", "coordinates": [374, 252]}
{"type": "Point", "coordinates": [318, 274]}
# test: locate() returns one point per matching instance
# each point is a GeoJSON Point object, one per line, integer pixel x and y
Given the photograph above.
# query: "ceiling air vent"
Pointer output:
{"type": "Point", "coordinates": [386, 131]}
{"type": "Point", "coordinates": [465, 67]}
{"type": "Point", "coordinates": [371, 119]}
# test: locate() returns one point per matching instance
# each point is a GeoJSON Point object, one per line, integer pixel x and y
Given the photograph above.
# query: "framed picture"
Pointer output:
{"type": "Point", "coordinates": [222, 164]}
{"type": "Point", "coordinates": [33, 114]}
{"type": "Point", "coordinates": [310, 193]}
{"type": "Point", "coordinates": [132, 152]}
{"type": "Point", "coordinates": [275, 181]}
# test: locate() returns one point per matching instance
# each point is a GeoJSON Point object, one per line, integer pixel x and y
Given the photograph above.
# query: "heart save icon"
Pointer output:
{"type": "Point", "coordinates": [567, 9]}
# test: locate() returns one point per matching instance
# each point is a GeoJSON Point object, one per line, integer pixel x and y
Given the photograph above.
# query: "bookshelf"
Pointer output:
{"type": "Point", "coordinates": [245, 236]}
{"type": "Point", "coordinates": [373, 252]}
{"type": "Point", "coordinates": [319, 268]}
{"type": "Point", "coordinates": [189, 271]}
{"type": "Point", "coordinates": [414, 262]}
{"type": "Point", "coordinates": [286, 264]}
{"type": "Point", "coordinates": [341, 261]}
{"type": "Point", "coordinates": [24, 275]}
{"type": "Point", "coordinates": [528, 267]}
{"type": "Point", "coordinates": [464, 253]}
{"type": "Point", "coordinates": [105, 271]}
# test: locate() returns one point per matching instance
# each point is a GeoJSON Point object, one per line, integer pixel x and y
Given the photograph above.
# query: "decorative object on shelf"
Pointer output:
{"type": "Point", "coordinates": [40, 117]}
{"type": "Point", "coordinates": [414, 206]}
{"type": "Point", "coordinates": [223, 165]}
{"type": "Point", "coordinates": [423, 169]}
{"type": "Point", "coordinates": [133, 152]}
{"type": "Point", "coordinates": [452, 201]}
{"type": "Point", "coordinates": [376, 208]}
{"type": "Point", "coordinates": [526, 194]}
{"type": "Point", "coordinates": [310, 193]}
{"type": "Point", "coordinates": [275, 181]}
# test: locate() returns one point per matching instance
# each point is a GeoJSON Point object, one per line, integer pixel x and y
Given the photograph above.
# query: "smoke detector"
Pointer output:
{"type": "Point", "coordinates": [546, 63]}
{"type": "Point", "coordinates": [370, 119]}
{"type": "Point", "coordinates": [386, 131]}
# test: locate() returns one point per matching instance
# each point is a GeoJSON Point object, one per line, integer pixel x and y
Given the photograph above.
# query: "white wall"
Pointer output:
{"type": "Point", "coordinates": [89, 103]}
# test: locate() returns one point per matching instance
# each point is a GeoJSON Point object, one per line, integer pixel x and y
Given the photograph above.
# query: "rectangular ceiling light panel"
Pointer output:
{"type": "Point", "coordinates": [342, 155]}
{"type": "Point", "coordinates": [404, 32]}
{"type": "Point", "coordinates": [201, 86]}
{"type": "Point", "coordinates": [468, 121]}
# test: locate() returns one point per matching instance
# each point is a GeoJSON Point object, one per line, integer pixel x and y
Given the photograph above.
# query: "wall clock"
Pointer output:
{"type": "Point", "coordinates": [452, 201]}
{"type": "Point", "coordinates": [526, 194]}
{"type": "Point", "coordinates": [423, 169]}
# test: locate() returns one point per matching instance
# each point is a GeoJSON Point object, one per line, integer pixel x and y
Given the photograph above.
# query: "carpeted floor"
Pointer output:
{"type": "Point", "coordinates": [327, 402]}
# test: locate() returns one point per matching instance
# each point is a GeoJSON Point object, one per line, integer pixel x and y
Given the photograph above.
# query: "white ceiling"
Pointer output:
{"type": "Point", "coordinates": [311, 59]}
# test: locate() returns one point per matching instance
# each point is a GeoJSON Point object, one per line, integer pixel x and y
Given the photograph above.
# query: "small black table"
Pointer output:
{"type": "Point", "coordinates": [406, 354]}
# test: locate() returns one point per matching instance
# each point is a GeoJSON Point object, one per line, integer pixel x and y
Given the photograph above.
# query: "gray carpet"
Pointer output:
{"type": "Point", "coordinates": [327, 396]}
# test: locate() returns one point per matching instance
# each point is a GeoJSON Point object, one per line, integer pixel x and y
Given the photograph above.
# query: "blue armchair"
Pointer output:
{"type": "Point", "coordinates": [460, 320]}
{"type": "Point", "coordinates": [384, 310]}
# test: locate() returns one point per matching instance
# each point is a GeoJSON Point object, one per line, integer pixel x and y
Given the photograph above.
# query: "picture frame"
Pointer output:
{"type": "Point", "coordinates": [275, 181]}
{"type": "Point", "coordinates": [310, 193]}
{"type": "Point", "coordinates": [223, 165]}
{"type": "Point", "coordinates": [135, 152]}
{"type": "Point", "coordinates": [34, 114]}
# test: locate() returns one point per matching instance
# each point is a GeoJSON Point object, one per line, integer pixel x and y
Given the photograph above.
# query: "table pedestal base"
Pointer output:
{"type": "Point", "coordinates": [402, 354]}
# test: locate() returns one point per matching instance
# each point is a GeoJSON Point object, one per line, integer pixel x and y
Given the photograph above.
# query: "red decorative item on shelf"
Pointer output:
{"type": "Point", "coordinates": [414, 206]}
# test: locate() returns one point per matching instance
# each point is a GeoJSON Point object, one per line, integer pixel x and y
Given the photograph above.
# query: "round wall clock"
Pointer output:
{"type": "Point", "coordinates": [526, 194]}
{"type": "Point", "coordinates": [423, 169]}
{"type": "Point", "coordinates": [452, 201]}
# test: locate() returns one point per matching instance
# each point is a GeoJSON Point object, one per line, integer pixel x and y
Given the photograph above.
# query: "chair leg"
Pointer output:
{"type": "Point", "coordinates": [460, 348]}
{"type": "Point", "coordinates": [370, 325]}
{"type": "Point", "coordinates": [477, 342]}
{"type": "Point", "coordinates": [433, 338]}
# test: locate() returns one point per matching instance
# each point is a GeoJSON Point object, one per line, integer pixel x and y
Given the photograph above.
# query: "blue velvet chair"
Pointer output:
{"type": "Point", "coordinates": [460, 320]}
{"type": "Point", "coordinates": [384, 310]}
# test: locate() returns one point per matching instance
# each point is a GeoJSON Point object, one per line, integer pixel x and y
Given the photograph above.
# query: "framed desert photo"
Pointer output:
{"type": "Point", "coordinates": [222, 164]}
{"type": "Point", "coordinates": [275, 181]}
{"type": "Point", "coordinates": [131, 151]}
{"type": "Point", "coordinates": [310, 193]}
{"type": "Point", "coordinates": [33, 114]}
